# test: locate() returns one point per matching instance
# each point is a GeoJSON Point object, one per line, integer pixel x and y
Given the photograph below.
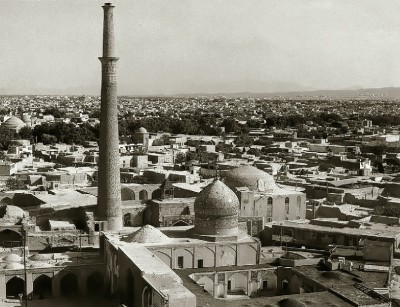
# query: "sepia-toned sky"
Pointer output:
{"type": "Point", "coordinates": [200, 46]}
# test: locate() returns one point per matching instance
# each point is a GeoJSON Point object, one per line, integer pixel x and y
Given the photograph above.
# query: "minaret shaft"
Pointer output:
{"type": "Point", "coordinates": [109, 190]}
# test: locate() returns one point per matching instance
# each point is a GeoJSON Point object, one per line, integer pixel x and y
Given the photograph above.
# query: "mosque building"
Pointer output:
{"type": "Point", "coordinates": [94, 250]}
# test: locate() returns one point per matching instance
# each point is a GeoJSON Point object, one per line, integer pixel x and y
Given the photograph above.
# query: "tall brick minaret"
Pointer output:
{"type": "Point", "coordinates": [109, 193]}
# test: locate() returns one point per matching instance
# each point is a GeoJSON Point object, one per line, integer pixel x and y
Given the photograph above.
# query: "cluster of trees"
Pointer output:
{"type": "Point", "coordinates": [50, 133]}
{"type": "Point", "coordinates": [57, 113]}
{"type": "Point", "coordinates": [385, 120]}
{"type": "Point", "coordinates": [388, 210]}
{"type": "Point", "coordinates": [380, 147]}
{"type": "Point", "coordinates": [190, 124]}
{"type": "Point", "coordinates": [284, 121]}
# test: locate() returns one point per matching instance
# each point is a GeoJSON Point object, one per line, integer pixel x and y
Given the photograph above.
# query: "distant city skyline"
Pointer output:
{"type": "Point", "coordinates": [207, 46]}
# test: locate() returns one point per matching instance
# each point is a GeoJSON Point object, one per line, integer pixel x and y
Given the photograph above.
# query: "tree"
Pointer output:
{"type": "Point", "coordinates": [14, 184]}
{"type": "Point", "coordinates": [25, 133]}
{"type": "Point", "coordinates": [180, 158]}
{"type": "Point", "coordinates": [243, 140]}
{"type": "Point", "coordinates": [254, 151]}
{"type": "Point", "coordinates": [230, 125]}
{"type": "Point", "coordinates": [56, 112]}
{"type": "Point", "coordinates": [6, 135]}
{"type": "Point", "coordinates": [48, 139]}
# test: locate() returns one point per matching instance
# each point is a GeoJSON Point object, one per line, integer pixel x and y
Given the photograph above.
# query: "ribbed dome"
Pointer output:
{"type": "Point", "coordinates": [250, 177]}
{"type": "Point", "coordinates": [216, 199]}
{"type": "Point", "coordinates": [14, 123]}
{"type": "Point", "coordinates": [141, 130]}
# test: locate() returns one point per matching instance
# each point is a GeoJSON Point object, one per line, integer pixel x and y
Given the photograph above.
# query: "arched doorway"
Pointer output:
{"type": "Point", "coordinates": [14, 287]}
{"type": "Point", "coordinates": [129, 294]}
{"type": "Point", "coordinates": [69, 285]}
{"type": "Point", "coordinates": [95, 284]}
{"type": "Point", "coordinates": [143, 195]}
{"type": "Point", "coordinates": [181, 223]}
{"type": "Point", "coordinates": [42, 287]}
{"type": "Point", "coordinates": [9, 238]}
{"type": "Point", "coordinates": [127, 219]}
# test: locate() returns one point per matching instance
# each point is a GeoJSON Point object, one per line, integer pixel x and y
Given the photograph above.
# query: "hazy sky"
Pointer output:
{"type": "Point", "coordinates": [193, 46]}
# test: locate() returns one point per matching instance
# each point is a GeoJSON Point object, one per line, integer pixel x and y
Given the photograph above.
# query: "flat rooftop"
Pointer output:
{"type": "Point", "coordinates": [369, 229]}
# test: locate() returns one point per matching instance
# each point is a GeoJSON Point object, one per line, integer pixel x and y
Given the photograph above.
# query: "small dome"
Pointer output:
{"type": "Point", "coordinates": [40, 265]}
{"type": "Point", "coordinates": [148, 234]}
{"type": "Point", "coordinates": [14, 123]}
{"type": "Point", "coordinates": [42, 257]}
{"type": "Point", "coordinates": [12, 212]}
{"type": "Point", "coordinates": [26, 118]}
{"type": "Point", "coordinates": [141, 130]}
{"type": "Point", "coordinates": [12, 258]}
{"type": "Point", "coordinates": [14, 266]}
{"type": "Point", "coordinates": [216, 199]}
{"type": "Point", "coordinates": [250, 177]}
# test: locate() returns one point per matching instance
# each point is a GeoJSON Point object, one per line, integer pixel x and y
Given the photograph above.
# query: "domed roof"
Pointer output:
{"type": "Point", "coordinates": [141, 130]}
{"type": "Point", "coordinates": [13, 212]}
{"type": "Point", "coordinates": [216, 199]}
{"type": "Point", "coordinates": [148, 234]}
{"type": "Point", "coordinates": [42, 257]}
{"type": "Point", "coordinates": [14, 266]}
{"type": "Point", "coordinates": [13, 123]}
{"type": "Point", "coordinates": [26, 118]}
{"type": "Point", "coordinates": [250, 177]}
{"type": "Point", "coordinates": [12, 258]}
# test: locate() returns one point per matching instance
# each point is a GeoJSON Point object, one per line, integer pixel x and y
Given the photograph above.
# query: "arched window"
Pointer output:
{"type": "Point", "coordinates": [10, 238]}
{"type": "Point", "coordinates": [147, 299]}
{"type": "Point", "coordinates": [269, 209]}
{"type": "Point", "coordinates": [127, 194]}
{"type": "Point", "coordinates": [298, 207]}
{"type": "Point", "coordinates": [287, 205]}
{"type": "Point", "coordinates": [143, 195]}
{"type": "Point", "coordinates": [127, 219]}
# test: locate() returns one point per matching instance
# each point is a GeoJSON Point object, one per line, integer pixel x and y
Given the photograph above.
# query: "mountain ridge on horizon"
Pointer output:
{"type": "Point", "coordinates": [382, 92]}
{"type": "Point", "coordinates": [361, 93]}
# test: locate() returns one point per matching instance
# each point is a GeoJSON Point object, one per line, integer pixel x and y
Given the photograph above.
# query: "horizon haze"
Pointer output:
{"type": "Point", "coordinates": [174, 47]}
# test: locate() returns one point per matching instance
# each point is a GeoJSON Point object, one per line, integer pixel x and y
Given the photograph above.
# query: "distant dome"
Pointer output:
{"type": "Point", "coordinates": [141, 130]}
{"type": "Point", "coordinates": [250, 177]}
{"type": "Point", "coordinates": [191, 163]}
{"type": "Point", "coordinates": [26, 118]}
{"type": "Point", "coordinates": [12, 258]}
{"type": "Point", "coordinates": [14, 123]}
{"type": "Point", "coordinates": [148, 234]}
{"type": "Point", "coordinates": [216, 210]}
{"type": "Point", "coordinates": [14, 266]}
